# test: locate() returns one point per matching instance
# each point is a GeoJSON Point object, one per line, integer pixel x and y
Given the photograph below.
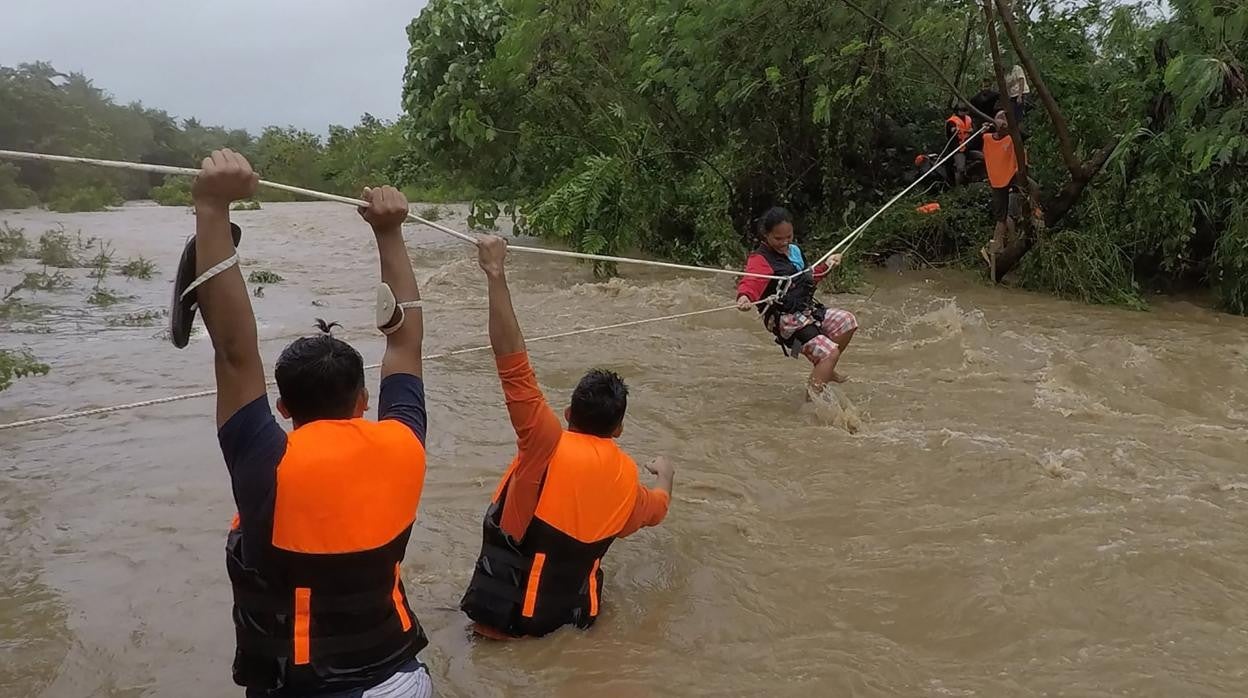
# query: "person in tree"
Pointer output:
{"type": "Point", "coordinates": [801, 324]}
{"type": "Point", "coordinates": [1020, 91]}
{"type": "Point", "coordinates": [566, 497]}
{"type": "Point", "coordinates": [1001, 164]}
{"type": "Point", "coordinates": [958, 127]}
{"type": "Point", "coordinates": [324, 512]}
{"type": "Point", "coordinates": [987, 100]}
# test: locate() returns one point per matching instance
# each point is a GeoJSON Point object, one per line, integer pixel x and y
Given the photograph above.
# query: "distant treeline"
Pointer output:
{"type": "Point", "coordinates": [45, 110]}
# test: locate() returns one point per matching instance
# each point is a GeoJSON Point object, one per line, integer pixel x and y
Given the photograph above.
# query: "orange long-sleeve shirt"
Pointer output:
{"type": "Point", "coordinates": [538, 432]}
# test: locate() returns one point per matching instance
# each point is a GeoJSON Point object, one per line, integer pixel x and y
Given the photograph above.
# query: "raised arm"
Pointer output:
{"type": "Point", "coordinates": [538, 430]}
{"type": "Point", "coordinates": [386, 212]}
{"type": "Point", "coordinates": [223, 301]}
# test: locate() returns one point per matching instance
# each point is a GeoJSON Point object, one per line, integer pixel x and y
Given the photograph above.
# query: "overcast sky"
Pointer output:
{"type": "Point", "coordinates": [239, 63]}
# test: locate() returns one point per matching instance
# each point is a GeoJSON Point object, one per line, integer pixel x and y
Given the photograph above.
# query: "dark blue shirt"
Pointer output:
{"type": "Point", "coordinates": [253, 444]}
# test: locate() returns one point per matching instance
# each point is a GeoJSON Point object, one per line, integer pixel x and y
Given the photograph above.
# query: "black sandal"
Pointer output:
{"type": "Point", "coordinates": [182, 310]}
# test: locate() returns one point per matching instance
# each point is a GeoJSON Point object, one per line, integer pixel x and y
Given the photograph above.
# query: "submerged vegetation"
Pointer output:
{"type": "Point", "coordinates": [19, 363]}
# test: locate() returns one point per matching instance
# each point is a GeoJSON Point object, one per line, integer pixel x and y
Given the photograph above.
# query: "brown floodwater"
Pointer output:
{"type": "Point", "coordinates": [1037, 497]}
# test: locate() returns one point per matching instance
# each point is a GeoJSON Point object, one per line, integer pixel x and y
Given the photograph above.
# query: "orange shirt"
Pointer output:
{"type": "Point", "coordinates": [538, 432]}
{"type": "Point", "coordinates": [999, 160]}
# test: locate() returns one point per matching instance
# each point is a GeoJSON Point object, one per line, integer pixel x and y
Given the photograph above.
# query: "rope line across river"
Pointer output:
{"type": "Point", "coordinates": [840, 247]}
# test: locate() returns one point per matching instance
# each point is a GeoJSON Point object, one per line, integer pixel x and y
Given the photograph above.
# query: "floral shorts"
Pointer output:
{"type": "Point", "coordinates": [836, 322]}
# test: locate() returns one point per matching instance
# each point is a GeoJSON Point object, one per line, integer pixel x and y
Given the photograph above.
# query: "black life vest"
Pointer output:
{"type": "Point", "coordinates": [553, 577]}
{"type": "Point", "coordinates": [321, 607]}
{"type": "Point", "coordinates": [498, 595]}
{"type": "Point", "coordinates": [799, 298]}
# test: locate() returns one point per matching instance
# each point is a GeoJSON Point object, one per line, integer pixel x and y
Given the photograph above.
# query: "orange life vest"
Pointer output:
{"type": "Point", "coordinates": [962, 124]}
{"type": "Point", "coordinates": [553, 576]}
{"type": "Point", "coordinates": [322, 606]}
{"type": "Point", "coordinates": [1000, 161]}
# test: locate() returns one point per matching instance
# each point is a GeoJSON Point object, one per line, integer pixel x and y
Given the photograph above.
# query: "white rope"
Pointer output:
{"type": "Point", "coordinates": [853, 236]}
{"type": "Point", "coordinates": [167, 169]}
{"type": "Point", "coordinates": [457, 352]}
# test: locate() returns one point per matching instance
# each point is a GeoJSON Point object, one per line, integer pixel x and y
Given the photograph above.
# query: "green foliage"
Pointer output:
{"type": "Point", "coordinates": [176, 191]}
{"type": "Point", "coordinates": [13, 194]}
{"type": "Point", "coordinates": [954, 233]}
{"type": "Point", "coordinates": [668, 127]}
{"type": "Point", "coordinates": [1084, 267]}
{"type": "Point", "coordinates": [43, 281]}
{"type": "Point", "coordinates": [290, 156]}
{"type": "Point", "coordinates": [431, 213]}
{"type": "Point", "coordinates": [245, 206]}
{"type": "Point", "coordinates": [264, 277]}
{"type": "Point", "coordinates": [1230, 273]}
{"type": "Point", "coordinates": [58, 249]}
{"type": "Point", "coordinates": [141, 268]}
{"type": "Point", "coordinates": [19, 363]}
{"type": "Point", "coordinates": [73, 199]}
{"type": "Point", "coordinates": [101, 262]}
{"type": "Point", "coordinates": [12, 243]}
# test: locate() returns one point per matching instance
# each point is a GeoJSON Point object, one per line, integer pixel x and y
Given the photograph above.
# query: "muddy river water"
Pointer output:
{"type": "Point", "coordinates": [1037, 497]}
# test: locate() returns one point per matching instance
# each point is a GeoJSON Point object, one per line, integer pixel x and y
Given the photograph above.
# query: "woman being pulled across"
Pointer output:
{"type": "Point", "coordinates": [800, 323]}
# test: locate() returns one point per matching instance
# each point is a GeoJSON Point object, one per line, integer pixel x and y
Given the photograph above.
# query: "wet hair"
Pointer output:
{"type": "Point", "coordinates": [598, 404]}
{"type": "Point", "coordinates": [771, 218]}
{"type": "Point", "coordinates": [319, 377]}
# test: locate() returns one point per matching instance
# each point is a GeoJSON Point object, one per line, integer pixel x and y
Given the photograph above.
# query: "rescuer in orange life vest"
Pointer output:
{"type": "Point", "coordinates": [958, 126]}
{"type": "Point", "coordinates": [324, 513]}
{"type": "Point", "coordinates": [565, 497]}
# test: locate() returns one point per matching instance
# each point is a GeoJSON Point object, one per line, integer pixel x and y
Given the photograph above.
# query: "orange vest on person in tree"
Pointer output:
{"type": "Point", "coordinates": [553, 576]}
{"type": "Point", "coordinates": [1000, 161]}
{"type": "Point", "coordinates": [962, 126]}
{"type": "Point", "coordinates": [323, 606]}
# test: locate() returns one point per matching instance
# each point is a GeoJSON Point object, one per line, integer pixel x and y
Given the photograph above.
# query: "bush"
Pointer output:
{"type": "Point", "coordinates": [264, 277]}
{"type": "Point", "coordinates": [141, 268]}
{"type": "Point", "coordinates": [19, 363]}
{"type": "Point", "coordinates": [78, 199]}
{"type": "Point", "coordinates": [1086, 266]}
{"type": "Point", "coordinates": [102, 297]}
{"type": "Point", "coordinates": [43, 281]}
{"type": "Point", "coordinates": [431, 213]}
{"type": "Point", "coordinates": [58, 249]}
{"type": "Point", "coordinates": [101, 262]}
{"type": "Point", "coordinates": [245, 206]}
{"type": "Point", "coordinates": [12, 193]}
{"type": "Point", "coordinates": [176, 191]}
{"type": "Point", "coordinates": [12, 243]}
{"type": "Point", "coordinates": [953, 234]}
{"type": "Point", "coordinates": [442, 192]}
{"type": "Point", "coordinates": [1230, 263]}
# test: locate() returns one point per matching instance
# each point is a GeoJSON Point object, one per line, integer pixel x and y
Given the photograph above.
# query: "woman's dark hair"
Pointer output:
{"type": "Point", "coordinates": [598, 404]}
{"type": "Point", "coordinates": [319, 378]}
{"type": "Point", "coordinates": [771, 218]}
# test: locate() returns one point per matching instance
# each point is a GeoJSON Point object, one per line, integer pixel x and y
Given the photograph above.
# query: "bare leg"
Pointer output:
{"type": "Point", "coordinates": [824, 372]}
{"type": "Point", "coordinates": [842, 340]}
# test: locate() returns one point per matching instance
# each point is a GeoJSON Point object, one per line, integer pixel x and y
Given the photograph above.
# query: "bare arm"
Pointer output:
{"type": "Point", "coordinates": [505, 335]}
{"type": "Point", "coordinates": [386, 212]}
{"type": "Point", "coordinates": [223, 300]}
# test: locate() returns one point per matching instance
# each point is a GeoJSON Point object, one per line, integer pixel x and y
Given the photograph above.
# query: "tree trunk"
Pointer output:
{"type": "Point", "coordinates": [1033, 74]}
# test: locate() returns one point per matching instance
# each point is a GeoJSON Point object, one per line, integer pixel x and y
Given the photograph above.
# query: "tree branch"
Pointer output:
{"type": "Point", "coordinates": [1050, 105]}
{"type": "Point", "coordinates": [907, 44]}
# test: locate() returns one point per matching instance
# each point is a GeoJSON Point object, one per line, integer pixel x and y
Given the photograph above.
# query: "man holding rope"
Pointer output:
{"type": "Point", "coordinates": [565, 498]}
{"type": "Point", "coordinates": [324, 513]}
